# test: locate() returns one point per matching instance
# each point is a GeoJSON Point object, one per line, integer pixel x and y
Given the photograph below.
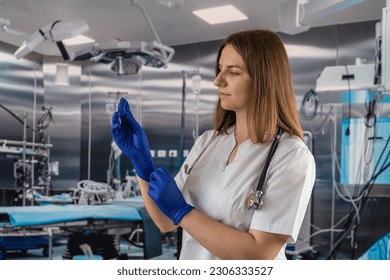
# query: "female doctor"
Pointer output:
{"type": "Point", "coordinates": [211, 196]}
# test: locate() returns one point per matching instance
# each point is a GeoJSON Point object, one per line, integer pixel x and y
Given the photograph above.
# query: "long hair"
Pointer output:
{"type": "Point", "coordinates": [272, 99]}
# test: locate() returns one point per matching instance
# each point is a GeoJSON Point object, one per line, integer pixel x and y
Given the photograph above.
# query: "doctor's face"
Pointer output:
{"type": "Point", "coordinates": [233, 81]}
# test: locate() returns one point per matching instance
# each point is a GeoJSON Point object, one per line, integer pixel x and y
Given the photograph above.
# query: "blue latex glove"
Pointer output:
{"type": "Point", "coordinates": [167, 196]}
{"type": "Point", "coordinates": [132, 140]}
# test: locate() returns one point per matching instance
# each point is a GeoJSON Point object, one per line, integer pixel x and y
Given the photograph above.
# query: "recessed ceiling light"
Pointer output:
{"type": "Point", "coordinates": [220, 14]}
{"type": "Point", "coordinates": [78, 40]}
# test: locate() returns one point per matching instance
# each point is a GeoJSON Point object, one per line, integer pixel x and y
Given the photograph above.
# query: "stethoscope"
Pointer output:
{"type": "Point", "coordinates": [255, 199]}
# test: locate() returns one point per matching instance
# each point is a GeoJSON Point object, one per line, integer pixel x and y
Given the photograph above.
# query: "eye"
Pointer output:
{"type": "Point", "coordinates": [234, 73]}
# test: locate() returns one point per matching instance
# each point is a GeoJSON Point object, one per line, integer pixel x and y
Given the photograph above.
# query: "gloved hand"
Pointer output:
{"type": "Point", "coordinates": [167, 196]}
{"type": "Point", "coordinates": [132, 140]}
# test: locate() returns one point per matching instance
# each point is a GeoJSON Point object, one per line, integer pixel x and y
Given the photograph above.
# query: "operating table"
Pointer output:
{"type": "Point", "coordinates": [115, 218]}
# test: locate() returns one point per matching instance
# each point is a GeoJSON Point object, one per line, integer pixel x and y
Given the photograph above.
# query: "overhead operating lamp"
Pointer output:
{"type": "Point", "coordinates": [55, 32]}
{"type": "Point", "coordinates": [127, 58]}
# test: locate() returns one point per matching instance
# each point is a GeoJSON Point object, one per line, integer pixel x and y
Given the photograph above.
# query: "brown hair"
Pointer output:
{"type": "Point", "coordinates": [273, 102]}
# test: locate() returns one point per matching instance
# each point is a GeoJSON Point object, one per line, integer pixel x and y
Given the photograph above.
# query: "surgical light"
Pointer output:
{"type": "Point", "coordinates": [78, 40]}
{"type": "Point", "coordinates": [55, 32]}
{"type": "Point", "coordinates": [127, 66]}
{"type": "Point", "coordinates": [127, 58]}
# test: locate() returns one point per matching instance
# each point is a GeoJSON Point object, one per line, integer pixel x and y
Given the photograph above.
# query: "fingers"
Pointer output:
{"type": "Point", "coordinates": [126, 115]}
{"type": "Point", "coordinates": [123, 107]}
{"type": "Point", "coordinates": [115, 119]}
{"type": "Point", "coordinates": [116, 124]}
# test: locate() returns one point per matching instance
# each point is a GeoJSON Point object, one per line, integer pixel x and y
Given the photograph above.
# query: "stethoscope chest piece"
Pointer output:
{"type": "Point", "coordinates": [254, 200]}
{"type": "Point", "coordinates": [187, 170]}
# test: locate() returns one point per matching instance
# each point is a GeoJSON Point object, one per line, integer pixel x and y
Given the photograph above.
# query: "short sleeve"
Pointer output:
{"type": "Point", "coordinates": [288, 189]}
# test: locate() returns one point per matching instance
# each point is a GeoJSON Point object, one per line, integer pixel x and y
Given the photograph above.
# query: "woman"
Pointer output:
{"type": "Point", "coordinates": [209, 196]}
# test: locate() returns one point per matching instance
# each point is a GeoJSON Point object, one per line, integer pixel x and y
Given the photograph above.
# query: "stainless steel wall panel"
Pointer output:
{"type": "Point", "coordinates": [97, 82]}
{"type": "Point", "coordinates": [21, 85]}
{"type": "Point", "coordinates": [65, 132]}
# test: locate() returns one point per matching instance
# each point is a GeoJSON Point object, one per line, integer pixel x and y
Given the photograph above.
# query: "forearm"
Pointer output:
{"type": "Point", "coordinates": [161, 221]}
{"type": "Point", "coordinates": [226, 242]}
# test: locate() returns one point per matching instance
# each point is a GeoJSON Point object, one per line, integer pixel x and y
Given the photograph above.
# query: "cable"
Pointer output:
{"type": "Point", "coordinates": [310, 98]}
{"type": "Point", "coordinates": [352, 223]}
{"type": "Point", "coordinates": [353, 219]}
{"type": "Point", "coordinates": [14, 115]}
{"type": "Point", "coordinates": [44, 122]}
{"type": "Point", "coordinates": [326, 120]}
{"type": "Point", "coordinates": [349, 100]}
{"type": "Point", "coordinates": [378, 61]}
{"type": "Point", "coordinates": [379, 159]}
{"type": "Point", "coordinates": [370, 117]}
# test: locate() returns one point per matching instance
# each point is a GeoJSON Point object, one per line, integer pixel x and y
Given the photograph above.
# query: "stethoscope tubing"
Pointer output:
{"type": "Point", "coordinates": [187, 170]}
{"type": "Point", "coordinates": [254, 200]}
{"type": "Point", "coordinates": [275, 143]}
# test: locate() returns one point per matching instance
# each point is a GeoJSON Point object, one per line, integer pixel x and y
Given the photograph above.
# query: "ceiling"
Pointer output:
{"type": "Point", "coordinates": [119, 19]}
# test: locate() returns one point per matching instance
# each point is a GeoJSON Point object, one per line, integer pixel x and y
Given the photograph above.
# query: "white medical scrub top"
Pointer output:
{"type": "Point", "coordinates": [220, 190]}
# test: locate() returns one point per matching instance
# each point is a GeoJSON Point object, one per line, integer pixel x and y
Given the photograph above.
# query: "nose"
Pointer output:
{"type": "Point", "coordinates": [219, 80]}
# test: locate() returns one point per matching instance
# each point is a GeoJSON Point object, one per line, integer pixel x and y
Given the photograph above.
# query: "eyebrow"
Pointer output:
{"type": "Point", "coordinates": [232, 66]}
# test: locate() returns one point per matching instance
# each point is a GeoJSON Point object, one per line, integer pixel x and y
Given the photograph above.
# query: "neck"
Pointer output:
{"type": "Point", "coordinates": [241, 130]}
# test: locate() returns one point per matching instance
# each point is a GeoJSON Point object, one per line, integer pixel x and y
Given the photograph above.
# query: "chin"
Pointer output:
{"type": "Point", "coordinates": [227, 107]}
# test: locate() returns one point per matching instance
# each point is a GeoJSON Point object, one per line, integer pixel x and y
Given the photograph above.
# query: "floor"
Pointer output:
{"type": "Point", "coordinates": [126, 251]}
